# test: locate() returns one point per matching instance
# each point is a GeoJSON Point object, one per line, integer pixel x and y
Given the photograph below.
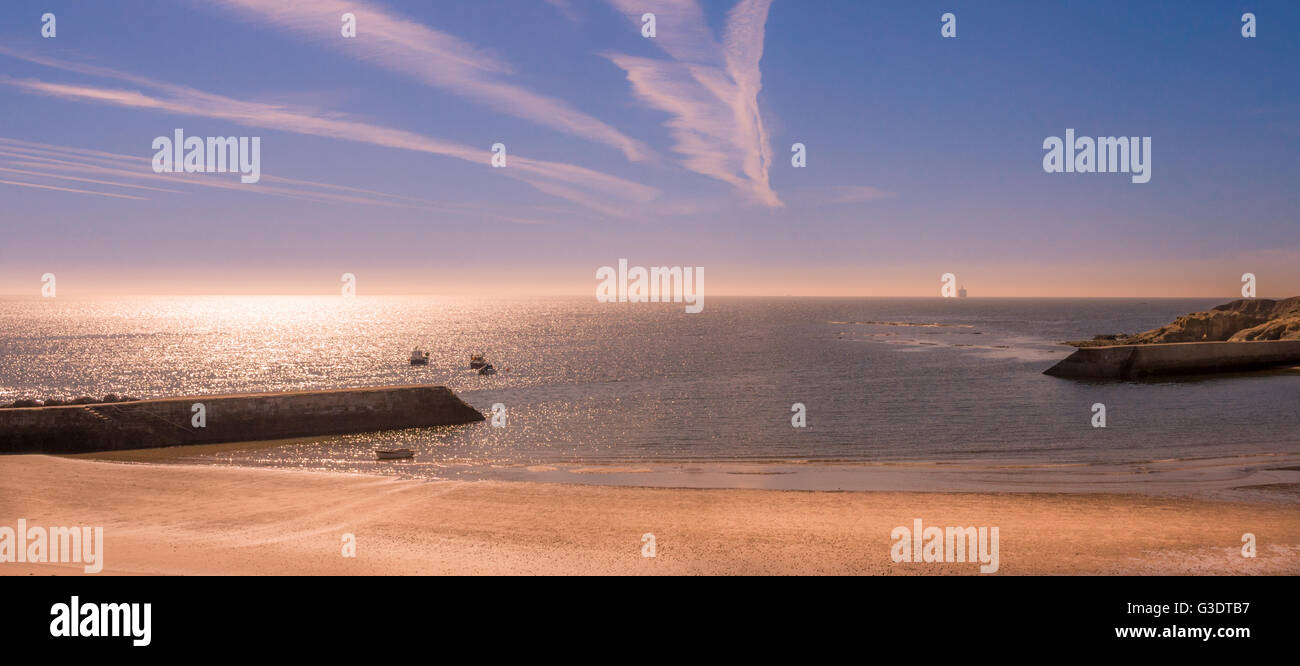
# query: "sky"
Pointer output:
{"type": "Point", "coordinates": [924, 154]}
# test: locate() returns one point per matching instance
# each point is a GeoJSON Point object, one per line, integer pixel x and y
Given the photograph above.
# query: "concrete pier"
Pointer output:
{"type": "Point", "coordinates": [229, 418]}
{"type": "Point", "coordinates": [1137, 361]}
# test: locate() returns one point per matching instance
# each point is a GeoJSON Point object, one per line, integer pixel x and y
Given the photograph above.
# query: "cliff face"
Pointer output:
{"type": "Point", "coordinates": [1247, 319]}
{"type": "Point", "coordinates": [1284, 325]}
{"type": "Point", "coordinates": [1238, 321]}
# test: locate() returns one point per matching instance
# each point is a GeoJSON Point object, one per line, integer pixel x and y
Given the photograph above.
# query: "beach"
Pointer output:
{"type": "Point", "coordinates": [172, 519]}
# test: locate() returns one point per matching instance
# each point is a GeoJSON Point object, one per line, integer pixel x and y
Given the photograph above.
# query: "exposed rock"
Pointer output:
{"type": "Point", "coordinates": [1282, 328]}
{"type": "Point", "coordinates": [1238, 321]}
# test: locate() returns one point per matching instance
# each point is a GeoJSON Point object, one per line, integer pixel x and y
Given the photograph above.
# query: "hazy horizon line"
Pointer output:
{"type": "Point", "coordinates": [559, 295]}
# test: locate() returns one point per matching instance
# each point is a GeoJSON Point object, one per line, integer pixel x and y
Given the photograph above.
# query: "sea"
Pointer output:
{"type": "Point", "coordinates": [587, 385]}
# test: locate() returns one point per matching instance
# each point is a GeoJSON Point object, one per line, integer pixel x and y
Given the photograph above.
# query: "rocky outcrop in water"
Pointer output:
{"type": "Point", "coordinates": [1285, 325]}
{"type": "Point", "coordinates": [1239, 321]}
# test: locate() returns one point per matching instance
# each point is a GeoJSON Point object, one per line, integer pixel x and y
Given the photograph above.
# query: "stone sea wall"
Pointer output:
{"type": "Point", "coordinates": [1137, 361]}
{"type": "Point", "coordinates": [228, 418]}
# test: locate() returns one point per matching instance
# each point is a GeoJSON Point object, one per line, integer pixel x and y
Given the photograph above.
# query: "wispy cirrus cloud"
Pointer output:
{"type": "Point", "coordinates": [434, 58]}
{"type": "Point", "coordinates": [48, 161]}
{"type": "Point", "coordinates": [602, 192]}
{"type": "Point", "coordinates": [709, 88]}
{"type": "Point", "coordinates": [46, 174]}
{"type": "Point", "coordinates": [69, 189]}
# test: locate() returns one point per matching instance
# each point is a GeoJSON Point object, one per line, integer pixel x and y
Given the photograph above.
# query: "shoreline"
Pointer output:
{"type": "Point", "coordinates": [1252, 477]}
{"type": "Point", "coordinates": [218, 520]}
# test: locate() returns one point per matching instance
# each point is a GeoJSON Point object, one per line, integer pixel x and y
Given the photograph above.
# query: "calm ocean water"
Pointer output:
{"type": "Point", "coordinates": [613, 383]}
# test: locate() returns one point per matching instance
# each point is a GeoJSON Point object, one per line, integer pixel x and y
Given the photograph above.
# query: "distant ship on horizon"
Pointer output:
{"type": "Point", "coordinates": [961, 293]}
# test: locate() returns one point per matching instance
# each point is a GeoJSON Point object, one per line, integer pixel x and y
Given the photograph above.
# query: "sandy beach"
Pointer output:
{"type": "Point", "coordinates": [193, 519]}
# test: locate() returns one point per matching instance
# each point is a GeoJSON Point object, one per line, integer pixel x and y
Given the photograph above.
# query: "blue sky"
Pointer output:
{"type": "Point", "coordinates": [924, 153]}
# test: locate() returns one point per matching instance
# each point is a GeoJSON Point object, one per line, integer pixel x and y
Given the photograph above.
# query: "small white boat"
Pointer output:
{"type": "Point", "coordinates": [419, 357]}
{"type": "Point", "coordinates": [394, 454]}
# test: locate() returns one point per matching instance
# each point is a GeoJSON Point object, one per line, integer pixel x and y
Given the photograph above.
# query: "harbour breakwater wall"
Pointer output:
{"type": "Point", "coordinates": [1174, 358]}
{"type": "Point", "coordinates": [228, 418]}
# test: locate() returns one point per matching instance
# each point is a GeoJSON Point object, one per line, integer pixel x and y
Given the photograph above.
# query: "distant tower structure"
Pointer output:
{"type": "Point", "coordinates": [961, 293]}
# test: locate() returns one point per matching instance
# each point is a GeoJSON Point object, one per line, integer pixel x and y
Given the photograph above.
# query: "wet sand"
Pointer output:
{"type": "Point", "coordinates": [200, 519]}
{"type": "Point", "coordinates": [1263, 476]}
